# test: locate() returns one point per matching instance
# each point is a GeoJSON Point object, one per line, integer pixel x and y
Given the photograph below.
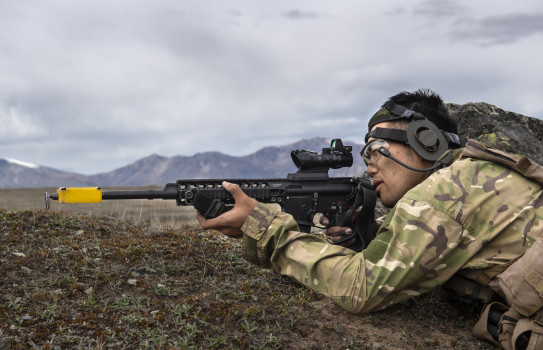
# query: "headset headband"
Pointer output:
{"type": "Point", "coordinates": [422, 135]}
{"type": "Point", "coordinates": [399, 135]}
{"type": "Point", "coordinates": [391, 112]}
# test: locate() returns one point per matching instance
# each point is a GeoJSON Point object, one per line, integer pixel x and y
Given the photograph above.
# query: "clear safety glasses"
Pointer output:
{"type": "Point", "coordinates": [370, 152]}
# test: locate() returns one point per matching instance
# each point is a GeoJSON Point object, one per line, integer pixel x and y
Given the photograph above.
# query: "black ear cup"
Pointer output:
{"type": "Point", "coordinates": [426, 139]}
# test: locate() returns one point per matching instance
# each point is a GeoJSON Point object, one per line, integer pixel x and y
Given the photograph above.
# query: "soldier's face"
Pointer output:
{"type": "Point", "coordinates": [391, 180]}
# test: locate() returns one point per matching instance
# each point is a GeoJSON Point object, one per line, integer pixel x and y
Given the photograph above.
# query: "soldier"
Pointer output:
{"type": "Point", "coordinates": [458, 217]}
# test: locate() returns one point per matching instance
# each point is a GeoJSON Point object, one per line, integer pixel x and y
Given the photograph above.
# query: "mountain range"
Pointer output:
{"type": "Point", "coordinates": [508, 131]}
{"type": "Point", "coordinates": [268, 162]}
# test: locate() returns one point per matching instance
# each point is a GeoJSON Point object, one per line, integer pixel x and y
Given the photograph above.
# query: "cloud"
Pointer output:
{"type": "Point", "coordinates": [485, 28]}
{"type": "Point", "coordinates": [497, 30]}
{"type": "Point", "coordinates": [17, 125]}
{"type": "Point", "coordinates": [299, 14]}
{"type": "Point", "coordinates": [440, 9]}
{"type": "Point", "coordinates": [94, 85]}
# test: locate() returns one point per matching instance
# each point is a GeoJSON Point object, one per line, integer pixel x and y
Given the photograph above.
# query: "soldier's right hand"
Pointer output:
{"type": "Point", "coordinates": [335, 233]}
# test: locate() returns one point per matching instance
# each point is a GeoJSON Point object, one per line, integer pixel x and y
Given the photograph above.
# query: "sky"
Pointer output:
{"type": "Point", "coordinates": [91, 86]}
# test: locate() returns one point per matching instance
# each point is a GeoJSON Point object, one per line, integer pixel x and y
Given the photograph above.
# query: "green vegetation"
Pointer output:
{"type": "Point", "coordinates": [72, 281]}
{"type": "Point", "coordinates": [496, 139]}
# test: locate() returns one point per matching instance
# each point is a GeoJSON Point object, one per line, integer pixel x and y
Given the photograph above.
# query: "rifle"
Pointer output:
{"type": "Point", "coordinates": [302, 194]}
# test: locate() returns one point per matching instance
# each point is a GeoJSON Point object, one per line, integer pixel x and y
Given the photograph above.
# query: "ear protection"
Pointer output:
{"type": "Point", "coordinates": [424, 137]}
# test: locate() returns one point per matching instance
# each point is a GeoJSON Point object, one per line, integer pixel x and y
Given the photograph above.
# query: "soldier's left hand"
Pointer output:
{"type": "Point", "coordinates": [230, 222]}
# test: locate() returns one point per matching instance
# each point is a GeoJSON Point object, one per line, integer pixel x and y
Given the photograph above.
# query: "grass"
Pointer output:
{"type": "Point", "coordinates": [156, 213]}
{"type": "Point", "coordinates": [75, 281]}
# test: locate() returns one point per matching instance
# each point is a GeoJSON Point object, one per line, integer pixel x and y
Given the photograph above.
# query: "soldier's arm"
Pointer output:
{"type": "Point", "coordinates": [399, 264]}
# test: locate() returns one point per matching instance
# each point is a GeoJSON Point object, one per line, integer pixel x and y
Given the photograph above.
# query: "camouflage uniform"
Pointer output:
{"type": "Point", "coordinates": [472, 214]}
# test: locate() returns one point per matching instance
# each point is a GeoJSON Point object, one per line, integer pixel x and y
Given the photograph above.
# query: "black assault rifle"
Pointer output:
{"type": "Point", "coordinates": [302, 194]}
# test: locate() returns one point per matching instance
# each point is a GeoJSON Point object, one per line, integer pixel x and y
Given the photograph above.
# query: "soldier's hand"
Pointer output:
{"type": "Point", "coordinates": [335, 233]}
{"type": "Point", "coordinates": [230, 222]}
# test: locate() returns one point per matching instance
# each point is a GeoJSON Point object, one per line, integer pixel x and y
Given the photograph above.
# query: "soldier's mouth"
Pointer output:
{"type": "Point", "coordinates": [377, 184]}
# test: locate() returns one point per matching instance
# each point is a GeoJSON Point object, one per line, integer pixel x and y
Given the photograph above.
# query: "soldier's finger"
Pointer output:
{"type": "Point", "coordinates": [323, 220]}
{"type": "Point", "coordinates": [338, 231]}
{"type": "Point", "coordinates": [234, 190]}
{"type": "Point", "coordinates": [205, 223]}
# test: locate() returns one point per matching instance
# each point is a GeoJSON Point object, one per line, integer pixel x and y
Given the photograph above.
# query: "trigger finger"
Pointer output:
{"type": "Point", "coordinates": [337, 231]}
{"type": "Point", "coordinates": [323, 220]}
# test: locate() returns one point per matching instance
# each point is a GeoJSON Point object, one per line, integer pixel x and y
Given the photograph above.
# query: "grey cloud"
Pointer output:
{"type": "Point", "coordinates": [437, 10]}
{"type": "Point", "coordinates": [299, 14]}
{"type": "Point", "coordinates": [467, 25]}
{"type": "Point", "coordinates": [497, 30]}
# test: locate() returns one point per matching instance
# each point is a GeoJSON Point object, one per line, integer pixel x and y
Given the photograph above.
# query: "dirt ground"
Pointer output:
{"type": "Point", "coordinates": [72, 281]}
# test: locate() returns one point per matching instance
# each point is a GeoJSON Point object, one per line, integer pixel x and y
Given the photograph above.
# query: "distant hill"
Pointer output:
{"type": "Point", "coordinates": [15, 174]}
{"type": "Point", "coordinates": [265, 163]}
{"type": "Point", "coordinates": [158, 170]}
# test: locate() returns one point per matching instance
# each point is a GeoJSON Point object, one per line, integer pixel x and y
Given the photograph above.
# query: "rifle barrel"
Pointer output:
{"type": "Point", "coordinates": [138, 194]}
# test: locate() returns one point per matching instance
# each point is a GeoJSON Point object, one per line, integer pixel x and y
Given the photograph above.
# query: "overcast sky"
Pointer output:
{"type": "Point", "coordinates": [90, 86]}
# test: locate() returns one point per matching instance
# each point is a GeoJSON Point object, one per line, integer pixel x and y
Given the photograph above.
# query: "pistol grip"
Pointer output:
{"type": "Point", "coordinates": [344, 220]}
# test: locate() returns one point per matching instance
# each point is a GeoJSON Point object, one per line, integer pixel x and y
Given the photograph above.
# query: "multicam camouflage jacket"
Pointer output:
{"type": "Point", "coordinates": [470, 215]}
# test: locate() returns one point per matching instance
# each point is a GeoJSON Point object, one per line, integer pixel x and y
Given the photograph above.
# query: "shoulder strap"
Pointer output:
{"type": "Point", "coordinates": [523, 165]}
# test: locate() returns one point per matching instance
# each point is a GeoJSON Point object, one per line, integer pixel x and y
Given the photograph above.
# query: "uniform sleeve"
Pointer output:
{"type": "Point", "coordinates": [420, 245]}
{"type": "Point", "coordinates": [271, 239]}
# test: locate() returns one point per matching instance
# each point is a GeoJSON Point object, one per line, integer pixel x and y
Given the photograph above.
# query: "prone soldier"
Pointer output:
{"type": "Point", "coordinates": [462, 216]}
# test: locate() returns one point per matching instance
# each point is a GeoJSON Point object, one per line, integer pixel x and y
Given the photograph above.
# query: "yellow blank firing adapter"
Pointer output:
{"type": "Point", "coordinates": [75, 195]}
{"type": "Point", "coordinates": [79, 195]}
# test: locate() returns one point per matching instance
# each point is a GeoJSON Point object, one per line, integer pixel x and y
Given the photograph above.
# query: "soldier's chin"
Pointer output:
{"type": "Point", "coordinates": [386, 204]}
